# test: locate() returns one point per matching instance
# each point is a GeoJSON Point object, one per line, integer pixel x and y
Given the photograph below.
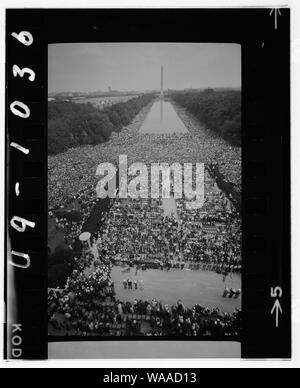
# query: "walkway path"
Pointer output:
{"type": "Point", "coordinates": [169, 207]}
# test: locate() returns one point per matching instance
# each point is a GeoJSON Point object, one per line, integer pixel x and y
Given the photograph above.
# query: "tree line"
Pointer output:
{"type": "Point", "coordinates": [220, 111]}
{"type": "Point", "coordinates": [72, 124]}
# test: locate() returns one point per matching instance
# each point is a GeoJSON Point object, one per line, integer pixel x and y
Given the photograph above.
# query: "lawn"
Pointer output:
{"type": "Point", "coordinates": [192, 287]}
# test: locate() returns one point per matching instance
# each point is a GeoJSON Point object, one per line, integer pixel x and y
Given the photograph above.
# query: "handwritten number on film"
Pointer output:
{"type": "Point", "coordinates": [20, 109]}
{"type": "Point", "coordinates": [21, 72]}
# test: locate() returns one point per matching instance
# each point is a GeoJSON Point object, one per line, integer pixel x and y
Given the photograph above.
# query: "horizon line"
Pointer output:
{"type": "Point", "coordinates": [143, 90]}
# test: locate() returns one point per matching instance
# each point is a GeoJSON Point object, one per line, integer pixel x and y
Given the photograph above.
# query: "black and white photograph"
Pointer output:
{"type": "Point", "coordinates": [144, 190]}
{"type": "Point", "coordinates": [147, 188]}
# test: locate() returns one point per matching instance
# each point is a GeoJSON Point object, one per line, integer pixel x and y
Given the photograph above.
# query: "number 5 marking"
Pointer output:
{"type": "Point", "coordinates": [17, 71]}
{"type": "Point", "coordinates": [276, 292]}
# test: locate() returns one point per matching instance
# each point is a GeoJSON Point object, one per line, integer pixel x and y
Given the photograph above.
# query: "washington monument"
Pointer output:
{"type": "Point", "coordinates": [162, 82]}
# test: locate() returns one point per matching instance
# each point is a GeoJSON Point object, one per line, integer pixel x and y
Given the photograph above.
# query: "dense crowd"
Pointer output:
{"type": "Point", "coordinates": [141, 318]}
{"type": "Point", "coordinates": [87, 306]}
{"type": "Point", "coordinates": [75, 169]}
{"type": "Point", "coordinates": [138, 232]}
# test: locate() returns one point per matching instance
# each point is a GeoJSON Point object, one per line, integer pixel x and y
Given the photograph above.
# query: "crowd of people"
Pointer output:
{"type": "Point", "coordinates": [144, 318]}
{"type": "Point", "coordinates": [87, 306]}
{"type": "Point", "coordinates": [137, 232]}
{"type": "Point", "coordinates": [75, 169]}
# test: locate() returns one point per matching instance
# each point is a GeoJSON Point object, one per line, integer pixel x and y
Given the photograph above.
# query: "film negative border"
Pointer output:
{"type": "Point", "coordinates": [266, 154]}
{"type": "Point", "coordinates": [266, 193]}
{"type": "Point", "coordinates": [26, 185]}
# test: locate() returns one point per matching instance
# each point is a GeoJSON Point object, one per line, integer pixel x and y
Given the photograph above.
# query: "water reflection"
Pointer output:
{"type": "Point", "coordinates": [162, 118]}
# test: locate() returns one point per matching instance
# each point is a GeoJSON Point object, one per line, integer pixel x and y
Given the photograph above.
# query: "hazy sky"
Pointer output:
{"type": "Point", "coordinates": [88, 67]}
